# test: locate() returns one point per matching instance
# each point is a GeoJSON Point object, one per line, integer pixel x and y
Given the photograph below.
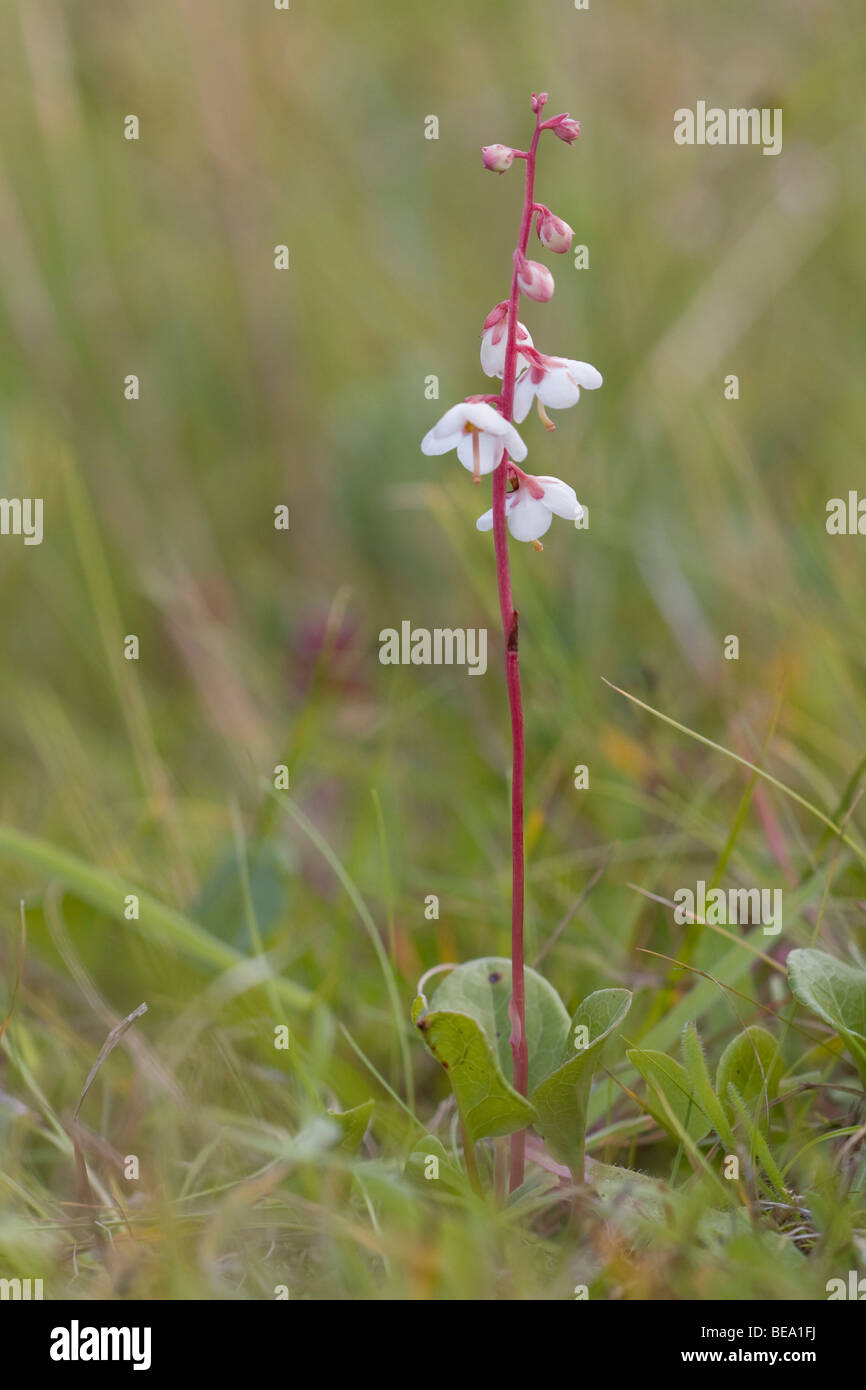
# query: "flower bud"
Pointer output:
{"type": "Point", "coordinates": [535, 281]}
{"type": "Point", "coordinates": [566, 128]}
{"type": "Point", "coordinates": [497, 158]}
{"type": "Point", "coordinates": [553, 233]}
{"type": "Point", "coordinates": [539, 101]}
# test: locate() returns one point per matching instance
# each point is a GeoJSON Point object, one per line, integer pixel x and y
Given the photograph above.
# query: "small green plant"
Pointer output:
{"type": "Point", "coordinates": [467, 1027]}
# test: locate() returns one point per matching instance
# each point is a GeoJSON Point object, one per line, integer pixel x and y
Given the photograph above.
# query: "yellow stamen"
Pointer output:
{"type": "Point", "coordinates": [544, 417]}
{"type": "Point", "coordinates": [536, 545]}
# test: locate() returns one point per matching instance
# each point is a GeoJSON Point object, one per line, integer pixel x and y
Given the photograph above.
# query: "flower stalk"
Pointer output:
{"type": "Point", "coordinates": [510, 626]}
{"type": "Point", "coordinates": [481, 429]}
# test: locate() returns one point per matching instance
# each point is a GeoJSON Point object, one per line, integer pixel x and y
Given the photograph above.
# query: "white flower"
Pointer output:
{"type": "Point", "coordinates": [530, 509]}
{"type": "Point", "coordinates": [478, 433]}
{"type": "Point", "coordinates": [493, 344]}
{"type": "Point", "coordinates": [554, 381]}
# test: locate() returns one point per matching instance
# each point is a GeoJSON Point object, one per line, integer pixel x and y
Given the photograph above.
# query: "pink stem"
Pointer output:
{"type": "Point", "coordinates": [517, 1009]}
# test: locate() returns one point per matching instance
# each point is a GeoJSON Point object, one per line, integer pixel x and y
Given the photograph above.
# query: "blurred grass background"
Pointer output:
{"type": "Point", "coordinates": [259, 647]}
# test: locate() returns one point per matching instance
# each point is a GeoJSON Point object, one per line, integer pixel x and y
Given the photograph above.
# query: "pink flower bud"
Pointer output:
{"type": "Point", "coordinates": [535, 281]}
{"type": "Point", "coordinates": [497, 158]}
{"type": "Point", "coordinates": [565, 127]}
{"type": "Point", "coordinates": [553, 233]}
{"type": "Point", "coordinates": [538, 101]}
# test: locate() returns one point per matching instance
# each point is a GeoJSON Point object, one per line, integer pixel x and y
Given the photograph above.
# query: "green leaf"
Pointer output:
{"type": "Point", "coordinates": [488, 1105]}
{"type": "Point", "coordinates": [669, 1082]}
{"type": "Point", "coordinates": [759, 1145]}
{"type": "Point", "coordinates": [353, 1125]}
{"type": "Point", "coordinates": [561, 1098]}
{"type": "Point", "coordinates": [482, 989]}
{"type": "Point", "coordinates": [836, 992]}
{"type": "Point", "coordinates": [732, 967]}
{"type": "Point", "coordinates": [702, 1087]}
{"type": "Point", "coordinates": [449, 1178]}
{"type": "Point", "coordinates": [752, 1063]}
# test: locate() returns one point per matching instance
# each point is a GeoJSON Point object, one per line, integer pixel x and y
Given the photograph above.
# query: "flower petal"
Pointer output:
{"type": "Point", "coordinates": [493, 344]}
{"type": "Point", "coordinates": [558, 390]}
{"type": "Point", "coordinates": [490, 449]}
{"type": "Point", "coordinates": [485, 417]}
{"type": "Point", "coordinates": [436, 443]}
{"type": "Point", "coordinates": [492, 354]}
{"type": "Point", "coordinates": [514, 444]}
{"type": "Point", "coordinates": [446, 432]}
{"type": "Point", "coordinates": [528, 517]}
{"type": "Point", "coordinates": [485, 522]}
{"type": "Point", "coordinates": [524, 395]}
{"type": "Point", "coordinates": [560, 498]}
{"type": "Point", "coordinates": [585, 375]}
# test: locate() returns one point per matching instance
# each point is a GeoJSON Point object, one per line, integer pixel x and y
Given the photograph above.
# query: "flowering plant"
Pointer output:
{"type": "Point", "coordinates": [482, 1003]}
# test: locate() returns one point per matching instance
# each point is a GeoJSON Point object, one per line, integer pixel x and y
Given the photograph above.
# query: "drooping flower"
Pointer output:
{"type": "Point", "coordinates": [565, 127]}
{"type": "Point", "coordinates": [494, 339]}
{"type": "Point", "coordinates": [553, 233]}
{"type": "Point", "coordinates": [535, 281]}
{"type": "Point", "coordinates": [554, 382]}
{"type": "Point", "coordinates": [479, 434]}
{"type": "Point", "coordinates": [531, 507]}
{"type": "Point", "coordinates": [497, 158]}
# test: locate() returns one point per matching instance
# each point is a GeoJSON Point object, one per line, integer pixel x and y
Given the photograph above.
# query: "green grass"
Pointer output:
{"type": "Point", "coordinates": [258, 647]}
